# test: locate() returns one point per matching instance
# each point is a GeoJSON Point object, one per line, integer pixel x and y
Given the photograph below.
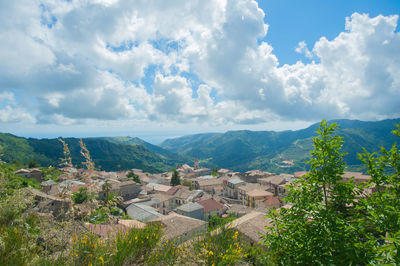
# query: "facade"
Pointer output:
{"type": "Point", "coordinates": [231, 187]}
{"type": "Point", "coordinates": [191, 209]}
{"type": "Point", "coordinates": [211, 207]}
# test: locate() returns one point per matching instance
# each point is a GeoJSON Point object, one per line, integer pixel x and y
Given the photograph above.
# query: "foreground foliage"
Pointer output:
{"type": "Point", "coordinates": [336, 222]}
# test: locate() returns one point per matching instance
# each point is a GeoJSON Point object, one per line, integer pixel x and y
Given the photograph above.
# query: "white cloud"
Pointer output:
{"type": "Point", "coordinates": [196, 61]}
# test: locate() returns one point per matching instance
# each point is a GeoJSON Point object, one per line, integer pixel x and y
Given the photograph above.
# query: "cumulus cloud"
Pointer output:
{"type": "Point", "coordinates": [186, 61]}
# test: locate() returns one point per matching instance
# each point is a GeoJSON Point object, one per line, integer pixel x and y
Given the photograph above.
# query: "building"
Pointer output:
{"type": "Point", "coordinates": [181, 228]}
{"type": "Point", "coordinates": [251, 226]}
{"type": "Point", "coordinates": [231, 187]}
{"type": "Point", "coordinates": [191, 209]}
{"type": "Point", "coordinates": [254, 195]}
{"type": "Point", "coordinates": [207, 183]}
{"type": "Point", "coordinates": [143, 213]}
{"type": "Point", "coordinates": [211, 207]}
{"type": "Point", "coordinates": [273, 182]}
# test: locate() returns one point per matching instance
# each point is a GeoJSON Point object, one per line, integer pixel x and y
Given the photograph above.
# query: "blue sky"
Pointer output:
{"type": "Point", "coordinates": [157, 69]}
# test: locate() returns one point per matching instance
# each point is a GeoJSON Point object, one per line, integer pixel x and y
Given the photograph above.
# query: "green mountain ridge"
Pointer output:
{"type": "Point", "coordinates": [109, 154]}
{"type": "Point", "coordinates": [266, 150]}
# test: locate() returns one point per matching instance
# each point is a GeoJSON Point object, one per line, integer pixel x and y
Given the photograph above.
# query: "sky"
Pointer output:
{"type": "Point", "coordinates": [159, 69]}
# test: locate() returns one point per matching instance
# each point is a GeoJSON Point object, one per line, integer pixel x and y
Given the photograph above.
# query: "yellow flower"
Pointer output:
{"type": "Point", "coordinates": [101, 259]}
{"type": "Point", "coordinates": [211, 253]}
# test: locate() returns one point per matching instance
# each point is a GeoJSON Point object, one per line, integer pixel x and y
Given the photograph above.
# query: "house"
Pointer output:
{"type": "Point", "coordinates": [180, 227]}
{"type": "Point", "coordinates": [183, 194]}
{"type": "Point", "coordinates": [244, 190]}
{"type": "Point", "coordinates": [51, 204]}
{"type": "Point", "coordinates": [154, 187]}
{"type": "Point", "coordinates": [127, 190]}
{"type": "Point", "coordinates": [211, 207]}
{"type": "Point", "coordinates": [165, 202]}
{"type": "Point", "coordinates": [271, 202]}
{"type": "Point", "coordinates": [47, 185]}
{"type": "Point", "coordinates": [230, 187]}
{"type": "Point", "coordinates": [36, 174]}
{"type": "Point", "coordinates": [251, 226]}
{"type": "Point", "coordinates": [254, 195]}
{"type": "Point", "coordinates": [142, 212]}
{"type": "Point", "coordinates": [23, 172]}
{"type": "Point", "coordinates": [191, 209]}
{"type": "Point", "coordinates": [207, 183]}
{"type": "Point", "coordinates": [273, 182]}
{"type": "Point", "coordinates": [111, 230]}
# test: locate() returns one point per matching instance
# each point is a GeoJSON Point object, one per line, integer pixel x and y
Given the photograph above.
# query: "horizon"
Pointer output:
{"type": "Point", "coordinates": [157, 139]}
{"type": "Point", "coordinates": [109, 68]}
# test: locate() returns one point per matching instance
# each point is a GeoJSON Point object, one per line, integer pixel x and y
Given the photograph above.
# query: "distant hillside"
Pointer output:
{"type": "Point", "coordinates": [109, 154]}
{"type": "Point", "coordinates": [285, 151]}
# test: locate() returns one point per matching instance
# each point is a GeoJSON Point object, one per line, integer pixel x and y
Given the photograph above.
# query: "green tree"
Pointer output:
{"type": "Point", "coordinates": [382, 206]}
{"type": "Point", "coordinates": [215, 171]}
{"type": "Point", "coordinates": [322, 226]}
{"type": "Point", "coordinates": [81, 196]}
{"type": "Point", "coordinates": [134, 176]}
{"type": "Point", "coordinates": [175, 179]}
{"type": "Point", "coordinates": [106, 187]}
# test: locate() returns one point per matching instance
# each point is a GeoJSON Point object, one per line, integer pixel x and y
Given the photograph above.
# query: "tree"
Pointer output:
{"type": "Point", "coordinates": [85, 153]}
{"type": "Point", "coordinates": [66, 161]}
{"type": "Point", "coordinates": [106, 187]}
{"type": "Point", "coordinates": [215, 171]}
{"type": "Point", "coordinates": [322, 226]}
{"type": "Point", "coordinates": [175, 179]}
{"type": "Point", "coordinates": [134, 176]}
{"type": "Point", "coordinates": [382, 207]}
{"type": "Point", "coordinates": [80, 196]}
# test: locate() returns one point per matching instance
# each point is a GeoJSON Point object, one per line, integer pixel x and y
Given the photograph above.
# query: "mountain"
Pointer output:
{"type": "Point", "coordinates": [110, 154]}
{"type": "Point", "coordinates": [285, 151]}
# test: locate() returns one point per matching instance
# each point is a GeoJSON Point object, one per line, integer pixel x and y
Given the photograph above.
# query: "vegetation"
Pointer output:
{"type": "Point", "coordinates": [266, 150]}
{"type": "Point", "coordinates": [332, 222]}
{"type": "Point", "coordinates": [81, 196]}
{"type": "Point", "coordinates": [134, 176]}
{"type": "Point", "coordinates": [111, 154]}
{"type": "Point", "coordinates": [217, 222]}
{"type": "Point", "coordinates": [215, 171]}
{"type": "Point", "coordinates": [187, 183]}
{"type": "Point", "coordinates": [175, 179]}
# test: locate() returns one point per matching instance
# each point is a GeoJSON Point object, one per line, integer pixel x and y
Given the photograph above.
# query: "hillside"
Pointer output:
{"type": "Point", "coordinates": [108, 154]}
{"type": "Point", "coordinates": [285, 151]}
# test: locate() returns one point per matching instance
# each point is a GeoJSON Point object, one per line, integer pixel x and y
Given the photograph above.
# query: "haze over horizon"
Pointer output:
{"type": "Point", "coordinates": [157, 69]}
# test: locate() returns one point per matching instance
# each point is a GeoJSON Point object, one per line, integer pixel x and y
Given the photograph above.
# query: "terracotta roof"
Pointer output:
{"type": "Point", "coordinates": [132, 224]}
{"type": "Point", "coordinates": [259, 193]}
{"type": "Point", "coordinates": [106, 230]}
{"type": "Point", "coordinates": [178, 225]}
{"type": "Point", "coordinates": [275, 179]}
{"type": "Point", "coordinates": [173, 190]}
{"type": "Point", "coordinates": [300, 173]}
{"type": "Point", "coordinates": [210, 205]}
{"type": "Point", "coordinates": [272, 201]}
{"type": "Point", "coordinates": [251, 225]}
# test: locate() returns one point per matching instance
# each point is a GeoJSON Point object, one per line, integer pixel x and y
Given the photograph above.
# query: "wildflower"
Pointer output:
{"type": "Point", "coordinates": [101, 259]}
{"type": "Point", "coordinates": [211, 253]}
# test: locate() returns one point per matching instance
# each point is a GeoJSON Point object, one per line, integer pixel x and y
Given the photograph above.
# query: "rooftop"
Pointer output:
{"type": "Point", "coordinates": [190, 207]}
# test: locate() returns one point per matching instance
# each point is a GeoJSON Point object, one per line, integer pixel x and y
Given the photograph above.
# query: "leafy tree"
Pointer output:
{"type": "Point", "coordinates": [106, 187]}
{"type": "Point", "coordinates": [383, 205]}
{"type": "Point", "coordinates": [322, 226]}
{"type": "Point", "coordinates": [33, 164]}
{"type": "Point", "coordinates": [66, 161]}
{"type": "Point", "coordinates": [175, 179]}
{"type": "Point", "coordinates": [187, 183]}
{"type": "Point", "coordinates": [81, 196]}
{"type": "Point", "coordinates": [85, 153]}
{"type": "Point", "coordinates": [215, 171]}
{"type": "Point", "coordinates": [134, 176]}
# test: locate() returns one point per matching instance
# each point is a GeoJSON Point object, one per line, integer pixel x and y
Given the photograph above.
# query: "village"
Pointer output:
{"type": "Point", "coordinates": [134, 198]}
